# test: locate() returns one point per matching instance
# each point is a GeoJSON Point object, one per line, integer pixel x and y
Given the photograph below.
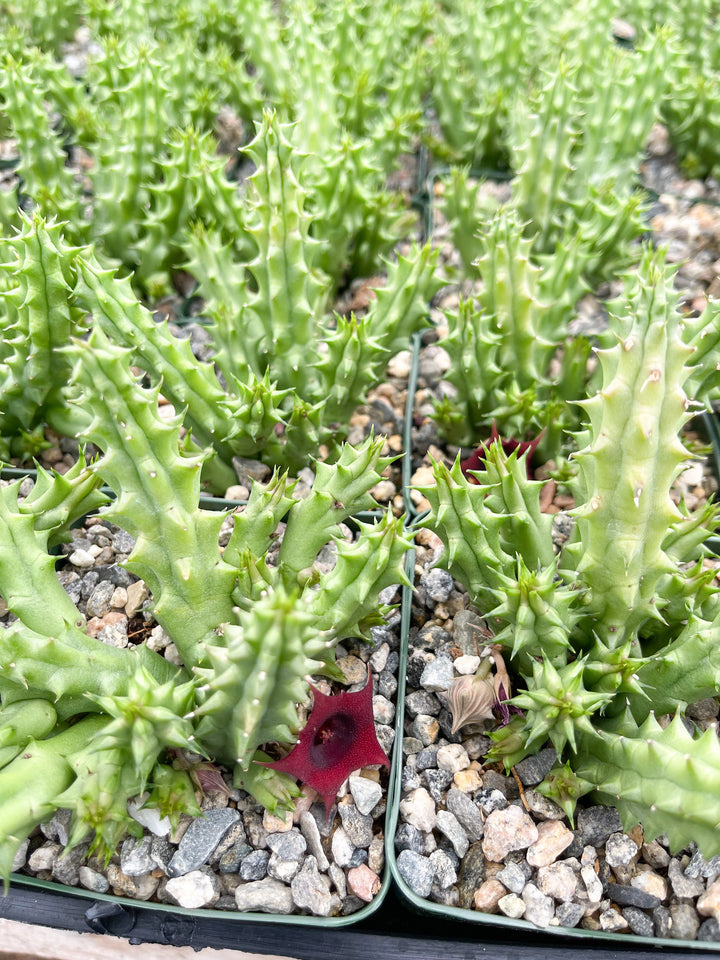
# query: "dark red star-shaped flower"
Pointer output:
{"type": "Point", "coordinates": [339, 737]}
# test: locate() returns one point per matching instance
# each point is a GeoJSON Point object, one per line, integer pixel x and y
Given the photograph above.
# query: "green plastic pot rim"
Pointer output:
{"type": "Point", "coordinates": [206, 913]}
{"type": "Point", "coordinates": [524, 927]}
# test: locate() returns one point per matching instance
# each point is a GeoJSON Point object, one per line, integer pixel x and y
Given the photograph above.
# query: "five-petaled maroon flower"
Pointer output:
{"type": "Point", "coordinates": [339, 737]}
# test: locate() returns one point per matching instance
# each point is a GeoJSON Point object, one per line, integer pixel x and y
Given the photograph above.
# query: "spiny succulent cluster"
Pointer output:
{"type": "Point", "coordinates": [143, 131]}
{"type": "Point", "coordinates": [286, 374]}
{"type": "Point", "coordinates": [619, 626]}
{"type": "Point", "coordinates": [87, 726]}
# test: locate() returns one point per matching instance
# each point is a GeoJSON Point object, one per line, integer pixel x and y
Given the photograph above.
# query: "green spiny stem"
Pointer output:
{"type": "Point", "coordinates": [69, 668]}
{"type": "Point", "coordinates": [559, 706]}
{"type": "Point", "coordinates": [400, 307]}
{"type": "Point", "coordinates": [176, 551]}
{"type": "Point", "coordinates": [345, 601]}
{"type": "Point", "coordinates": [282, 311]}
{"type": "Point", "coordinates": [27, 571]}
{"type": "Point", "coordinates": [511, 492]}
{"type": "Point", "coordinates": [665, 779]}
{"type": "Point", "coordinates": [470, 533]}
{"type": "Point", "coordinates": [537, 616]}
{"type": "Point", "coordinates": [630, 465]}
{"type": "Point", "coordinates": [339, 490]}
{"type": "Point", "coordinates": [255, 677]}
{"type": "Point", "coordinates": [43, 318]}
{"type": "Point", "coordinates": [685, 670]}
{"type": "Point", "coordinates": [31, 785]}
{"type": "Point", "coordinates": [186, 382]}
{"type": "Point", "coordinates": [57, 501]}
{"type": "Point", "coordinates": [254, 527]}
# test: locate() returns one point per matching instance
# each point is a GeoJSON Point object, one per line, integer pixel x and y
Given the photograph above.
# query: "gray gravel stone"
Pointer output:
{"type": "Point", "coordinates": [639, 922]}
{"type": "Point", "coordinates": [98, 602]}
{"type": "Point", "coordinates": [339, 881]}
{"type": "Point", "coordinates": [290, 845]}
{"type": "Point", "coordinates": [492, 800]}
{"type": "Point", "coordinates": [425, 728]}
{"type": "Point", "coordinates": [426, 759]}
{"type": "Point", "coordinates": [468, 631]}
{"type": "Point", "coordinates": [569, 914]}
{"type": "Point", "coordinates": [358, 826]}
{"type": "Point", "coordinates": [254, 866]}
{"type": "Point", "coordinates": [557, 880]}
{"type": "Point", "coordinates": [444, 867]}
{"type": "Point", "coordinates": [437, 584]}
{"type": "Point", "coordinates": [471, 874]}
{"type": "Point", "coordinates": [417, 872]}
{"type": "Point", "coordinates": [709, 930]}
{"type": "Point", "coordinates": [467, 813]}
{"type": "Point", "coordinates": [200, 840]}
{"type": "Point", "coordinates": [366, 793]}
{"type": "Point", "coordinates": [620, 850]}
{"type": "Point", "coordinates": [662, 922]}
{"type": "Point", "coordinates": [409, 837]}
{"type": "Point", "coordinates": [539, 909]}
{"type": "Point", "coordinates": [136, 856]}
{"type": "Point", "coordinates": [513, 877]}
{"type": "Point", "coordinates": [230, 861]}
{"type": "Point", "coordinates": [627, 896]}
{"type": "Point", "coordinates": [533, 770]}
{"type": "Point", "coordinates": [437, 782]}
{"type": "Point", "coordinates": [449, 826]}
{"type": "Point", "coordinates": [264, 896]}
{"type": "Point", "coordinates": [342, 848]}
{"type": "Point", "coordinates": [283, 870]}
{"type": "Point", "coordinates": [682, 885]}
{"type": "Point", "coordinates": [161, 852]}
{"type": "Point", "coordinates": [310, 831]}
{"type": "Point", "coordinates": [92, 880]}
{"type": "Point", "coordinates": [597, 823]}
{"type": "Point", "coordinates": [66, 868]}
{"type": "Point", "coordinates": [685, 921]}
{"type": "Point", "coordinates": [438, 675]}
{"type": "Point", "coordinates": [612, 921]}
{"type": "Point", "coordinates": [194, 890]}
{"type": "Point", "coordinates": [311, 891]}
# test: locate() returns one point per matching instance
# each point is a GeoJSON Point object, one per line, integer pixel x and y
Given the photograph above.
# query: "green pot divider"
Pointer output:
{"type": "Point", "coordinates": [436, 172]}
{"type": "Point", "coordinates": [407, 466]}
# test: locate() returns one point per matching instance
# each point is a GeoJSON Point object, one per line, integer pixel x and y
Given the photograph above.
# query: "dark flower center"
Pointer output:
{"type": "Point", "coordinates": [332, 740]}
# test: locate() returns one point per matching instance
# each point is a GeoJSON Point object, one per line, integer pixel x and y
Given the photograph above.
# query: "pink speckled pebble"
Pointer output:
{"type": "Point", "coordinates": [363, 882]}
